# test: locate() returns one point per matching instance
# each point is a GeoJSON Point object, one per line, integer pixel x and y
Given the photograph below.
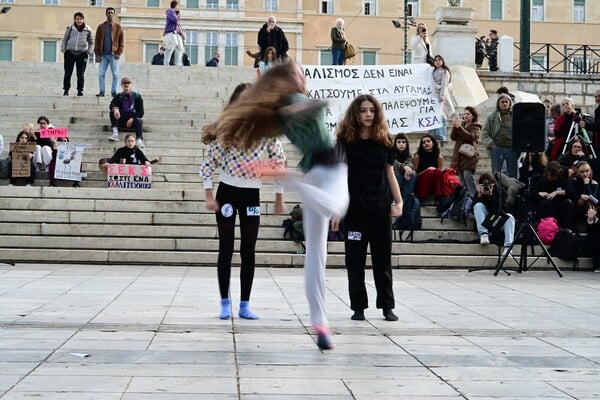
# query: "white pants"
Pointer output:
{"type": "Point", "coordinates": [42, 155]}
{"type": "Point", "coordinates": [324, 194]}
{"type": "Point", "coordinates": [173, 43]}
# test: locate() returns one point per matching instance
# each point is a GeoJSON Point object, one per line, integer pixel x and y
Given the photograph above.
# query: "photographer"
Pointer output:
{"type": "Point", "coordinates": [562, 127]}
{"type": "Point", "coordinates": [488, 199]}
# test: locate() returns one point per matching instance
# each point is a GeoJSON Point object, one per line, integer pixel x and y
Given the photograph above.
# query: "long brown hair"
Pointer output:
{"type": "Point", "coordinates": [209, 130]}
{"type": "Point", "coordinates": [349, 128]}
{"type": "Point", "coordinates": [255, 113]}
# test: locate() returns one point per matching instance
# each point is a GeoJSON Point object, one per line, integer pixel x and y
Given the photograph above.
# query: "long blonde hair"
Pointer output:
{"type": "Point", "coordinates": [349, 128]}
{"type": "Point", "coordinates": [254, 115]}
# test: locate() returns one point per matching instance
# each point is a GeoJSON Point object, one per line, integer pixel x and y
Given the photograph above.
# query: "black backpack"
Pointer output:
{"type": "Point", "coordinates": [460, 205]}
{"type": "Point", "coordinates": [292, 227]}
{"type": "Point", "coordinates": [411, 215]}
{"type": "Point", "coordinates": [564, 245]}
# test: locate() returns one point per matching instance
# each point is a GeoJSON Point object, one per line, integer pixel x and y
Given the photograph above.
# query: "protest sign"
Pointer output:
{"type": "Point", "coordinates": [404, 91]}
{"type": "Point", "coordinates": [129, 176]}
{"type": "Point", "coordinates": [53, 132]}
{"type": "Point", "coordinates": [21, 154]}
{"type": "Point", "coordinates": [68, 161]}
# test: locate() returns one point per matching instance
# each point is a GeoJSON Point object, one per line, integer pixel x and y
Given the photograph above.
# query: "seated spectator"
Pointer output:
{"type": "Point", "coordinates": [127, 110]}
{"type": "Point", "coordinates": [583, 194]}
{"type": "Point", "coordinates": [52, 165]}
{"type": "Point", "coordinates": [488, 199]}
{"type": "Point", "coordinates": [535, 164]}
{"type": "Point", "coordinates": [214, 62]}
{"type": "Point", "coordinates": [428, 165]}
{"type": "Point", "coordinates": [159, 58]}
{"type": "Point", "coordinates": [43, 147]}
{"type": "Point", "coordinates": [590, 247]}
{"type": "Point", "coordinates": [23, 138]}
{"type": "Point", "coordinates": [576, 152]}
{"type": "Point", "coordinates": [466, 132]}
{"type": "Point", "coordinates": [404, 167]}
{"type": "Point", "coordinates": [128, 154]}
{"type": "Point", "coordinates": [269, 60]}
{"type": "Point", "coordinates": [550, 196]}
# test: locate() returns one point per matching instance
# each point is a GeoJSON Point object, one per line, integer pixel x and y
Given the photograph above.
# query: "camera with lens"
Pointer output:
{"type": "Point", "coordinates": [487, 187]}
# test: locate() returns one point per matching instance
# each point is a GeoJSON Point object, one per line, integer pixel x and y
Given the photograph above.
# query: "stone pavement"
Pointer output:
{"type": "Point", "coordinates": [135, 332]}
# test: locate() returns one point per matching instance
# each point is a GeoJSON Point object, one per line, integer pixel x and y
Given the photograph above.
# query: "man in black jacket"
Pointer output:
{"type": "Point", "coordinates": [127, 110]}
{"type": "Point", "coordinates": [271, 35]}
{"type": "Point", "coordinates": [593, 128]}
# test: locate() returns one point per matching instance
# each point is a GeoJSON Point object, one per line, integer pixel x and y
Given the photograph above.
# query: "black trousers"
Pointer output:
{"type": "Point", "coordinates": [138, 123]}
{"type": "Point", "coordinates": [78, 60]}
{"type": "Point", "coordinates": [373, 229]}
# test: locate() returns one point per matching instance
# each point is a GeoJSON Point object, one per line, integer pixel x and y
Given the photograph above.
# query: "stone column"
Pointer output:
{"type": "Point", "coordinates": [454, 37]}
{"type": "Point", "coordinates": [506, 56]}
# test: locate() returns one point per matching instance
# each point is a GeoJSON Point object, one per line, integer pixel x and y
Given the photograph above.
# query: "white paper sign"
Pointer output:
{"type": "Point", "coordinates": [68, 161]}
{"type": "Point", "coordinates": [405, 92]}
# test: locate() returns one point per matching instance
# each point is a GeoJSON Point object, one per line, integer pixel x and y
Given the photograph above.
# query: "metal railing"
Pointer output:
{"type": "Point", "coordinates": [565, 58]}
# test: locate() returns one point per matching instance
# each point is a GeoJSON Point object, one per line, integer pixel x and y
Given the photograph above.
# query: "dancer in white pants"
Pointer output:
{"type": "Point", "coordinates": [277, 104]}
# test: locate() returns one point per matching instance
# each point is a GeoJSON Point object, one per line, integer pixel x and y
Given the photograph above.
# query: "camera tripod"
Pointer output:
{"type": "Point", "coordinates": [575, 134]}
{"type": "Point", "coordinates": [528, 235]}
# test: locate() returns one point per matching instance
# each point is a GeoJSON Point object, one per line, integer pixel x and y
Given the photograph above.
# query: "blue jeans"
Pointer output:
{"type": "Point", "coordinates": [501, 154]}
{"type": "Point", "coordinates": [338, 56]}
{"type": "Point", "coordinates": [480, 213]}
{"type": "Point", "coordinates": [407, 187]}
{"type": "Point", "coordinates": [114, 68]}
{"type": "Point", "coordinates": [440, 133]}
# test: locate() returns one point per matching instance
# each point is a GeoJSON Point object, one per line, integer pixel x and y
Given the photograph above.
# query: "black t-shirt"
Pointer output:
{"type": "Point", "coordinates": [131, 156]}
{"type": "Point", "coordinates": [545, 185]}
{"type": "Point", "coordinates": [367, 182]}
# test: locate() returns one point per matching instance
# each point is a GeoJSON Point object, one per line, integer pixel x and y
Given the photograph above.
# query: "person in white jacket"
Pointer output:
{"type": "Point", "coordinates": [420, 45]}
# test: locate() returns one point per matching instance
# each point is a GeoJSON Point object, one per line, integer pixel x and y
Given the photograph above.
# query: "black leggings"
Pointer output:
{"type": "Point", "coordinates": [246, 202]}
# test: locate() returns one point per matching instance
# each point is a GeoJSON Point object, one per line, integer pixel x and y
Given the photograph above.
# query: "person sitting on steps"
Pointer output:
{"type": "Point", "coordinates": [127, 110]}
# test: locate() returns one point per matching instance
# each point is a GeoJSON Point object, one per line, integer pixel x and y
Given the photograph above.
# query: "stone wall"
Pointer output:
{"type": "Point", "coordinates": [553, 86]}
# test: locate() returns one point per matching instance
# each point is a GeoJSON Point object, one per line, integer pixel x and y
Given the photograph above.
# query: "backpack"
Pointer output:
{"type": "Point", "coordinates": [450, 181]}
{"type": "Point", "coordinates": [445, 202]}
{"type": "Point", "coordinates": [564, 245]}
{"type": "Point", "coordinates": [411, 215]}
{"type": "Point", "coordinates": [460, 208]}
{"type": "Point", "coordinates": [546, 230]}
{"type": "Point", "coordinates": [293, 228]}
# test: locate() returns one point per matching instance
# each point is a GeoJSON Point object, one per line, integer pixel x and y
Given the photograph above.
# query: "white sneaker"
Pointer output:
{"type": "Point", "coordinates": [29, 184]}
{"type": "Point", "coordinates": [140, 143]}
{"type": "Point", "coordinates": [115, 135]}
{"type": "Point", "coordinates": [484, 239]}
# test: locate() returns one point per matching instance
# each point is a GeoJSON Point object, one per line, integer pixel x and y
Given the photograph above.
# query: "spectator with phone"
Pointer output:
{"type": "Point", "coordinates": [584, 193]}
{"type": "Point", "coordinates": [466, 132]}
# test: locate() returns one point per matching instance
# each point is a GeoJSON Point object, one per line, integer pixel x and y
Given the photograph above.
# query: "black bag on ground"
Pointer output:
{"type": "Point", "coordinates": [411, 215]}
{"type": "Point", "coordinates": [564, 245]}
{"type": "Point", "coordinates": [494, 222]}
{"type": "Point", "coordinates": [459, 208]}
{"type": "Point", "coordinates": [445, 203]}
{"type": "Point", "coordinates": [293, 228]}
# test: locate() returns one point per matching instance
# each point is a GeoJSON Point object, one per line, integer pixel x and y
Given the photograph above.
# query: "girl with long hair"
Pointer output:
{"type": "Point", "coordinates": [466, 131]}
{"type": "Point", "coordinates": [441, 85]}
{"type": "Point", "coordinates": [404, 168]}
{"type": "Point", "coordinates": [238, 192]}
{"type": "Point", "coordinates": [23, 137]}
{"type": "Point", "coordinates": [363, 135]}
{"type": "Point", "coordinates": [269, 60]}
{"type": "Point", "coordinates": [428, 164]}
{"type": "Point", "coordinates": [277, 104]}
{"type": "Point", "coordinates": [577, 152]}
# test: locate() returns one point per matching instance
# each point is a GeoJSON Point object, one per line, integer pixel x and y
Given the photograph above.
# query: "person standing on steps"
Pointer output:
{"type": "Point", "coordinates": [77, 44]}
{"type": "Point", "coordinates": [108, 49]}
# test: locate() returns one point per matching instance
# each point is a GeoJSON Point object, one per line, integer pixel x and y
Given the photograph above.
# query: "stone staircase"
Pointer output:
{"type": "Point", "coordinates": [168, 224]}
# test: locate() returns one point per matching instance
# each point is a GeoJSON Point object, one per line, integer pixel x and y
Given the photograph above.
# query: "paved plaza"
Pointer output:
{"type": "Point", "coordinates": [134, 332]}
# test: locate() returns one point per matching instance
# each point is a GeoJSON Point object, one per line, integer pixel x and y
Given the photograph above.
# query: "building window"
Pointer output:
{"type": "Point", "coordinates": [495, 9]}
{"type": "Point", "coordinates": [412, 8]}
{"type": "Point", "coordinates": [326, 58]}
{"type": "Point", "coordinates": [538, 63]}
{"type": "Point", "coordinates": [578, 10]}
{"type": "Point", "coordinates": [96, 3]}
{"type": "Point", "coordinates": [370, 7]}
{"type": "Point", "coordinates": [151, 49]}
{"type": "Point", "coordinates": [369, 57]}
{"type": "Point", "coordinates": [537, 10]}
{"type": "Point", "coordinates": [212, 4]}
{"type": "Point", "coordinates": [49, 51]}
{"type": "Point", "coordinates": [51, 2]}
{"type": "Point", "coordinates": [232, 4]}
{"type": "Point", "coordinates": [152, 3]}
{"type": "Point", "coordinates": [326, 6]}
{"type": "Point", "coordinates": [270, 5]}
{"type": "Point", "coordinates": [5, 50]}
{"type": "Point", "coordinates": [191, 4]}
{"type": "Point", "coordinates": [7, 1]}
{"type": "Point", "coordinates": [211, 45]}
{"type": "Point", "coordinates": [231, 48]}
{"type": "Point", "coordinates": [191, 46]}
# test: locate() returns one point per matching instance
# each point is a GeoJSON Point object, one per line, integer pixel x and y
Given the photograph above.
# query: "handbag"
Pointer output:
{"type": "Point", "coordinates": [467, 150]}
{"type": "Point", "coordinates": [429, 59]}
{"type": "Point", "coordinates": [349, 51]}
{"type": "Point", "coordinates": [494, 222]}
